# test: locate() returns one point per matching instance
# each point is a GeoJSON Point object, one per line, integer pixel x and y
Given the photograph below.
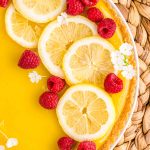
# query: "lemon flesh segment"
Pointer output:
{"type": "Point", "coordinates": [85, 112]}
{"type": "Point", "coordinates": [21, 30]}
{"type": "Point", "coordinates": [88, 61]}
{"type": "Point", "coordinates": [40, 11]}
{"type": "Point", "coordinates": [56, 39]}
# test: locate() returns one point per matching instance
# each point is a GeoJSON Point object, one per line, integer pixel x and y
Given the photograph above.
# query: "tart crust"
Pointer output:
{"type": "Point", "coordinates": [130, 99]}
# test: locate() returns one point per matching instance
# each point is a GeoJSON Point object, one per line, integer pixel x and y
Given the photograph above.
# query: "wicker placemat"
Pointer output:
{"type": "Point", "coordinates": [137, 14]}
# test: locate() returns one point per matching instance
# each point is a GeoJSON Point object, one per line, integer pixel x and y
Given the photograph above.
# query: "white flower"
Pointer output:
{"type": "Point", "coordinates": [128, 72]}
{"type": "Point", "coordinates": [118, 60]}
{"type": "Point", "coordinates": [34, 77]}
{"type": "Point", "coordinates": [126, 49]}
{"type": "Point", "coordinates": [2, 147]}
{"type": "Point", "coordinates": [62, 19]}
{"type": "Point", "coordinates": [64, 15]}
{"type": "Point", "coordinates": [118, 67]}
{"type": "Point", "coordinates": [11, 142]}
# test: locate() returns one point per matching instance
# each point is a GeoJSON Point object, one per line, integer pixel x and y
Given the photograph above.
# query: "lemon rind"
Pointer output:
{"type": "Point", "coordinates": [86, 41]}
{"type": "Point", "coordinates": [101, 94]}
{"type": "Point", "coordinates": [38, 18]}
{"type": "Point", "coordinates": [10, 32]}
{"type": "Point", "coordinates": [53, 69]}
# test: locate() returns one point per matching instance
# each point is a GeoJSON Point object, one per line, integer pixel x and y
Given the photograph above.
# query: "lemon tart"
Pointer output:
{"type": "Point", "coordinates": [85, 88]}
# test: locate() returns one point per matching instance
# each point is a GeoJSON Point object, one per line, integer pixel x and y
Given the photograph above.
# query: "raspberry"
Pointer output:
{"type": "Point", "coordinates": [94, 14]}
{"type": "Point", "coordinates": [113, 84]}
{"type": "Point", "coordinates": [87, 145]}
{"type": "Point", "coordinates": [89, 3]}
{"type": "Point", "coordinates": [65, 143]}
{"type": "Point", "coordinates": [29, 60]}
{"type": "Point", "coordinates": [49, 100]}
{"type": "Point", "coordinates": [55, 84]}
{"type": "Point", "coordinates": [106, 28]}
{"type": "Point", "coordinates": [4, 3]}
{"type": "Point", "coordinates": [74, 7]}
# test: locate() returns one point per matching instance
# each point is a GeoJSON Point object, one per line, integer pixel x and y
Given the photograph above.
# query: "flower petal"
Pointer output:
{"type": "Point", "coordinates": [118, 60]}
{"type": "Point", "coordinates": [126, 49]}
{"type": "Point", "coordinates": [2, 147]}
{"type": "Point", "coordinates": [11, 142]}
{"type": "Point", "coordinates": [34, 77]}
{"type": "Point", "coordinates": [128, 72]}
{"type": "Point", "coordinates": [62, 19]}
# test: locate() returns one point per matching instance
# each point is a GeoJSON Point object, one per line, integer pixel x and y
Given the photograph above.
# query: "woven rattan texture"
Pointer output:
{"type": "Point", "coordinates": [137, 14]}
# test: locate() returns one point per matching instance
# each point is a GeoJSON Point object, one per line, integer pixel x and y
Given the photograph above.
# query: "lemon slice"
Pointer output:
{"type": "Point", "coordinates": [85, 112]}
{"type": "Point", "coordinates": [57, 38]}
{"type": "Point", "coordinates": [88, 61]}
{"type": "Point", "coordinates": [40, 11]}
{"type": "Point", "coordinates": [22, 31]}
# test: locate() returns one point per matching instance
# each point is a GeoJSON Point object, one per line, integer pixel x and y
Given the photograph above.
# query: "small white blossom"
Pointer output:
{"type": "Point", "coordinates": [11, 142]}
{"type": "Point", "coordinates": [126, 49]}
{"type": "Point", "coordinates": [62, 19]}
{"type": "Point", "coordinates": [34, 77]}
{"type": "Point", "coordinates": [128, 72]}
{"type": "Point", "coordinates": [2, 147]}
{"type": "Point", "coordinates": [118, 60]}
{"type": "Point", "coordinates": [64, 15]}
{"type": "Point", "coordinates": [118, 67]}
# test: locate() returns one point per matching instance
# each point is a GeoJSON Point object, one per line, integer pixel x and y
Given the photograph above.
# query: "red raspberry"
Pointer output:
{"type": "Point", "coordinates": [113, 84]}
{"type": "Point", "coordinates": [29, 60]}
{"type": "Point", "coordinates": [95, 14]}
{"type": "Point", "coordinates": [65, 143]}
{"type": "Point", "coordinates": [4, 3]}
{"type": "Point", "coordinates": [89, 3]}
{"type": "Point", "coordinates": [55, 84]}
{"type": "Point", "coordinates": [87, 145]}
{"type": "Point", "coordinates": [106, 28]}
{"type": "Point", "coordinates": [49, 100]}
{"type": "Point", "coordinates": [74, 7]}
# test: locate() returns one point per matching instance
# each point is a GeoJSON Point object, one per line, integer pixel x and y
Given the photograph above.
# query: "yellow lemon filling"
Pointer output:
{"type": "Point", "coordinates": [20, 114]}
